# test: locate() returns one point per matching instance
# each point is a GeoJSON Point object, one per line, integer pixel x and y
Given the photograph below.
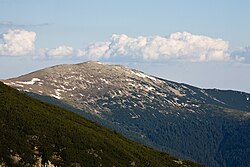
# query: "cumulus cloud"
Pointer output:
{"type": "Point", "coordinates": [17, 42]}
{"type": "Point", "coordinates": [177, 46]}
{"type": "Point", "coordinates": [242, 54]}
{"type": "Point", "coordinates": [60, 51]}
{"type": "Point", "coordinates": [96, 50]}
{"type": "Point", "coordinates": [181, 46]}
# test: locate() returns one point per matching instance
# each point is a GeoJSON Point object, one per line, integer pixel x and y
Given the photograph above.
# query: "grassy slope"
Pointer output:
{"type": "Point", "coordinates": [26, 123]}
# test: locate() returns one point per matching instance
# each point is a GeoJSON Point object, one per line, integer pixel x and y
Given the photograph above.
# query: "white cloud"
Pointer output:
{"type": "Point", "coordinates": [17, 42]}
{"type": "Point", "coordinates": [177, 46]}
{"type": "Point", "coordinates": [242, 54]}
{"type": "Point", "coordinates": [60, 51]}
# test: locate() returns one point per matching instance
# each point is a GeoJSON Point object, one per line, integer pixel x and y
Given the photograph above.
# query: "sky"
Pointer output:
{"type": "Point", "coordinates": [203, 43]}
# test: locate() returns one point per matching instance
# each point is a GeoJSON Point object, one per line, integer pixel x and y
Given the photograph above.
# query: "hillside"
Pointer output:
{"type": "Point", "coordinates": [209, 126]}
{"type": "Point", "coordinates": [33, 132]}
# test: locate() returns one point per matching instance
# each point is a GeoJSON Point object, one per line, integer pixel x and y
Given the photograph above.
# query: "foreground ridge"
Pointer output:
{"type": "Point", "coordinates": [34, 133]}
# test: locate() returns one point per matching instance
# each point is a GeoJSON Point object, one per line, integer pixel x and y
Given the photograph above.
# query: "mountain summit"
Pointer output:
{"type": "Point", "coordinates": [205, 125]}
{"type": "Point", "coordinates": [95, 86]}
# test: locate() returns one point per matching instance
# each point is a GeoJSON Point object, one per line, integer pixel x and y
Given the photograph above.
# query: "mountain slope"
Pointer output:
{"type": "Point", "coordinates": [33, 132]}
{"type": "Point", "coordinates": [189, 122]}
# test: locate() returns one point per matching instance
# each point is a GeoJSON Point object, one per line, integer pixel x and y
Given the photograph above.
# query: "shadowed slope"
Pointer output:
{"type": "Point", "coordinates": [31, 130]}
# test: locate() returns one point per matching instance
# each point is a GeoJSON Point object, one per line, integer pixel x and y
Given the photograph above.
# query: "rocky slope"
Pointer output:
{"type": "Point", "coordinates": [190, 122]}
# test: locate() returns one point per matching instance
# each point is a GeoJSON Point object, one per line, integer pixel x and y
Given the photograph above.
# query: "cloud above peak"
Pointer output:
{"type": "Point", "coordinates": [61, 51]}
{"type": "Point", "coordinates": [177, 46]}
{"type": "Point", "coordinates": [242, 54]}
{"type": "Point", "coordinates": [17, 42]}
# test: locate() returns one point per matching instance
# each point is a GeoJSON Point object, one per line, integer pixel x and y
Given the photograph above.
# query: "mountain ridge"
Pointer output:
{"type": "Point", "coordinates": [148, 109]}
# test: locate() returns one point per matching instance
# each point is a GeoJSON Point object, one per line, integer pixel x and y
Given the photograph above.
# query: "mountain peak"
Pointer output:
{"type": "Point", "coordinates": [154, 111]}
{"type": "Point", "coordinates": [92, 62]}
{"type": "Point", "coordinates": [94, 81]}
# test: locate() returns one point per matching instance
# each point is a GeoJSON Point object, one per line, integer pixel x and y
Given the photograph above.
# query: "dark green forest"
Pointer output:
{"type": "Point", "coordinates": [213, 135]}
{"type": "Point", "coordinates": [31, 129]}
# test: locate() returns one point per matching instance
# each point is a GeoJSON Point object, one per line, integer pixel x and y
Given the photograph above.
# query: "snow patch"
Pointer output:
{"type": "Point", "coordinates": [18, 85]}
{"type": "Point", "coordinates": [247, 114]}
{"type": "Point", "coordinates": [104, 80]}
{"type": "Point", "coordinates": [218, 101]}
{"type": "Point", "coordinates": [142, 75]}
{"type": "Point", "coordinates": [33, 80]}
{"type": "Point", "coordinates": [98, 62]}
{"type": "Point", "coordinates": [55, 96]}
{"type": "Point", "coordinates": [65, 89]}
{"type": "Point", "coordinates": [134, 116]}
{"type": "Point", "coordinates": [58, 94]}
{"type": "Point", "coordinates": [175, 98]}
{"type": "Point", "coordinates": [154, 115]}
{"type": "Point", "coordinates": [195, 105]}
{"type": "Point", "coordinates": [89, 82]}
{"type": "Point", "coordinates": [60, 90]}
{"type": "Point", "coordinates": [97, 112]}
{"type": "Point", "coordinates": [149, 88]}
{"type": "Point", "coordinates": [161, 94]}
{"type": "Point", "coordinates": [6, 83]}
{"type": "Point", "coordinates": [69, 77]}
{"type": "Point", "coordinates": [12, 83]}
{"type": "Point", "coordinates": [129, 80]}
{"type": "Point", "coordinates": [202, 91]}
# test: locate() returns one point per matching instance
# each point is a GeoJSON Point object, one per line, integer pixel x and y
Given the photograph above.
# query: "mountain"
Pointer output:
{"type": "Point", "coordinates": [34, 133]}
{"type": "Point", "coordinates": [209, 126]}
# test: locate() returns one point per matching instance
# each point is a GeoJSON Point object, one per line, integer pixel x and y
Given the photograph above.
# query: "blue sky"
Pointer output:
{"type": "Point", "coordinates": [60, 31]}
